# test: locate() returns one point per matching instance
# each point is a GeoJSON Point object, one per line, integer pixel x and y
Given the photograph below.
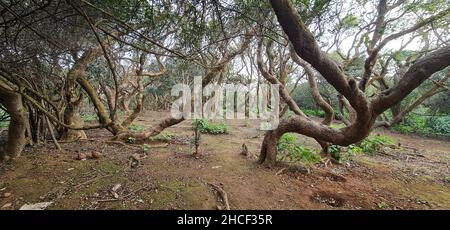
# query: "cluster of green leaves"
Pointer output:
{"type": "Point", "coordinates": [207, 126]}
{"type": "Point", "coordinates": [374, 144]}
{"type": "Point", "coordinates": [343, 156]}
{"type": "Point", "coordinates": [369, 146]}
{"type": "Point", "coordinates": [289, 148]}
{"type": "Point", "coordinates": [314, 113]}
{"type": "Point", "coordinates": [164, 136]}
{"type": "Point", "coordinates": [136, 128]}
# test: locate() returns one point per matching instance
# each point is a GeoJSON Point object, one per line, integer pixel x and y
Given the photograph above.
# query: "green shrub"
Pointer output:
{"type": "Point", "coordinates": [288, 147]}
{"type": "Point", "coordinates": [373, 145]}
{"type": "Point", "coordinates": [207, 126]}
{"type": "Point", "coordinates": [369, 146]}
{"type": "Point", "coordinates": [136, 128]}
{"type": "Point", "coordinates": [440, 125]}
{"type": "Point", "coordinates": [427, 126]}
{"type": "Point", "coordinates": [334, 149]}
{"type": "Point", "coordinates": [343, 156]}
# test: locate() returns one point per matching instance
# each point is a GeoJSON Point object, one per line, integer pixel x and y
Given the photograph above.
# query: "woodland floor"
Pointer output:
{"type": "Point", "coordinates": [415, 176]}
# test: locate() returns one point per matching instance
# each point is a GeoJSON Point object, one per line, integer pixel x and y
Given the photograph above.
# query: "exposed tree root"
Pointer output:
{"type": "Point", "coordinates": [223, 195]}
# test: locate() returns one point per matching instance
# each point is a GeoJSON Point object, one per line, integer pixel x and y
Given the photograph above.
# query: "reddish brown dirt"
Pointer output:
{"type": "Point", "coordinates": [168, 177]}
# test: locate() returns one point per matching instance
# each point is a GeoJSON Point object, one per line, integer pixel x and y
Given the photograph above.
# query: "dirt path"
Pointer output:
{"type": "Point", "coordinates": [168, 177]}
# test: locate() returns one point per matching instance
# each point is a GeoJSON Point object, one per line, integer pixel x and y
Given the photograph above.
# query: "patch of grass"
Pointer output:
{"type": "Point", "coordinates": [435, 194]}
{"type": "Point", "coordinates": [136, 128]}
{"type": "Point", "coordinates": [207, 126]}
{"type": "Point", "coordinates": [164, 136]}
{"type": "Point", "coordinates": [289, 148]}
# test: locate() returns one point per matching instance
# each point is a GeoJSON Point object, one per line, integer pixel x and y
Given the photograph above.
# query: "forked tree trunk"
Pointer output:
{"type": "Point", "coordinates": [72, 111]}
{"type": "Point", "coordinates": [16, 141]}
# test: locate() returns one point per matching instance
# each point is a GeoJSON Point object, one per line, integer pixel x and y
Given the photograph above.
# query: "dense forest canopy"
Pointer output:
{"type": "Point", "coordinates": [367, 64]}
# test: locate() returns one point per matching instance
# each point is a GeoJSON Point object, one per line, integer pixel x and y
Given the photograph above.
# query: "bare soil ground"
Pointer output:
{"type": "Point", "coordinates": [414, 176]}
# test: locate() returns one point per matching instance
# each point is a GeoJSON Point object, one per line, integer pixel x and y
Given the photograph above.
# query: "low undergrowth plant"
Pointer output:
{"type": "Point", "coordinates": [425, 126]}
{"type": "Point", "coordinates": [344, 154]}
{"type": "Point", "coordinates": [375, 144]}
{"type": "Point", "coordinates": [289, 149]}
{"type": "Point", "coordinates": [207, 126]}
{"type": "Point", "coordinates": [368, 146]}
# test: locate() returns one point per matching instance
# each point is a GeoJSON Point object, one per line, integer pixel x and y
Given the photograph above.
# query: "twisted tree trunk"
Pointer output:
{"type": "Point", "coordinates": [366, 112]}
{"type": "Point", "coordinates": [16, 141]}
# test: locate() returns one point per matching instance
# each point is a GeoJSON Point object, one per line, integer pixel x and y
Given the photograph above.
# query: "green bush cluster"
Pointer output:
{"type": "Point", "coordinates": [207, 126]}
{"type": "Point", "coordinates": [314, 113]}
{"type": "Point", "coordinates": [369, 146]}
{"type": "Point", "coordinates": [428, 126]}
{"type": "Point", "coordinates": [289, 148]}
{"type": "Point", "coordinates": [373, 145]}
{"type": "Point", "coordinates": [440, 125]}
{"type": "Point", "coordinates": [337, 153]}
